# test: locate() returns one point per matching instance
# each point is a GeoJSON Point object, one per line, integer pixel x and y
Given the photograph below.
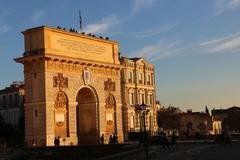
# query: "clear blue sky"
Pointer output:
{"type": "Point", "coordinates": [194, 44]}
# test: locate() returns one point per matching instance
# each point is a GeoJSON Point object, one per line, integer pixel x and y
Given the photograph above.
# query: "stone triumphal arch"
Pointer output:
{"type": "Point", "coordinates": [73, 87]}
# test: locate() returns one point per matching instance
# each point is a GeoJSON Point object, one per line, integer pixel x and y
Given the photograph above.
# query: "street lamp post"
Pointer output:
{"type": "Point", "coordinates": [143, 110]}
{"type": "Point", "coordinates": [206, 129]}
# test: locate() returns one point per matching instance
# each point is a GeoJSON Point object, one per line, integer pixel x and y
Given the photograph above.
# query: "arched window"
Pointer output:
{"type": "Point", "coordinates": [132, 121]}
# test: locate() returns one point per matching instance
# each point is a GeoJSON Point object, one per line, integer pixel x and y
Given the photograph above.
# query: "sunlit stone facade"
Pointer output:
{"type": "Point", "coordinates": [73, 88]}
{"type": "Point", "coordinates": [138, 87]}
{"type": "Point", "coordinates": [11, 103]}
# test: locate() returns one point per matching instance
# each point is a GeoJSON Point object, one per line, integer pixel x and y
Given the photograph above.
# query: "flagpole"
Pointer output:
{"type": "Point", "coordinates": [80, 20]}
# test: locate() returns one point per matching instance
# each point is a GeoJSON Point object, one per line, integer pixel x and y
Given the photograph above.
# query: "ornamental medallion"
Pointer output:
{"type": "Point", "coordinates": [86, 76]}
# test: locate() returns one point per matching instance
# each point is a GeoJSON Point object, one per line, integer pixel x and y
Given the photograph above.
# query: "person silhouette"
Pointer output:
{"type": "Point", "coordinates": [102, 139]}
{"type": "Point", "coordinates": [55, 141]}
{"type": "Point", "coordinates": [111, 140]}
{"type": "Point", "coordinates": [115, 138]}
{"type": "Point", "coordinates": [165, 141]}
{"type": "Point", "coordinates": [58, 141]}
{"type": "Point", "coordinates": [173, 139]}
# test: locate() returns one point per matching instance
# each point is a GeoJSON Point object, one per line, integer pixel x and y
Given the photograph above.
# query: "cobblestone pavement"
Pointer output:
{"type": "Point", "coordinates": [189, 152]}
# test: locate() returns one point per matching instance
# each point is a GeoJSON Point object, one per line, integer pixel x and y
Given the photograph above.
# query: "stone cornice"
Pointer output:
{"type": "Point", "coordinates": [139, 86]}
{"type": "Point", "coordinates": [69, 60]}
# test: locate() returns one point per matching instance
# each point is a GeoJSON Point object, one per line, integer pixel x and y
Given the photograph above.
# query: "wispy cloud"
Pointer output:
{"type": "Point", "coordinates": [4, 29]}
{"type": "Point", "coordinates": [103, 26]}
{"type": "Point", "coordinates": [220, 7]}
{"type": "Point", "coordinates": [235, 3]}
{"type": "Point", "coordinates": [37, 15]}
{"type": "Point", "coordinates": [228, 44]}
{"type": "Point", "coordinates": [139, 5]}
{"type": "Point", "coordinates": [158, 51]}
{"type": "Point", "coordinates": [165, 48]}
{"type": "Point", "coordinates": [227, 4]}
{"type": "Point", "coordinates": [154, 31]}
{"type": "Point", "coordinates": [106, 24]}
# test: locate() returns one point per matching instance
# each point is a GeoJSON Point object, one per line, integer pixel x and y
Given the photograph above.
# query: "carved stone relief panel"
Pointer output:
{"type": "Point", "coordinates": [61, 101]}
{"type": "Point", "coordinates": [60, 81]}
{"type": "Point", "coordinates": [110, 102]}
{"type": "Point", "coordinates": [61, 115]}
{"type": "Point", "coordinates": [109, 85]}
{"type": "Point", "coordinates": [110, 108]}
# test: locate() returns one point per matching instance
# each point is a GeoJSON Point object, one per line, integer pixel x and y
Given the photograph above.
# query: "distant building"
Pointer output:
{"type": "Point", "coordinates": [138, 86]}
{"type": "Point", "coordinates": [169, 118]}
{"type": "Point", "coordinates": [184, 123]}
{"type": "Point", "coordinates": [193, 123]}
{"type": "Point", "coordinates": [218, 115]}
{"type": "Point", "coordinates": [11, 103]}
{"type": "Point", "coordinates": [158, 105]}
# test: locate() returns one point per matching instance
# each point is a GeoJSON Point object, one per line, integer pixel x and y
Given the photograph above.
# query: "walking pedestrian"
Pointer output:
{"type": "Point", "coordinates": [102, 139]}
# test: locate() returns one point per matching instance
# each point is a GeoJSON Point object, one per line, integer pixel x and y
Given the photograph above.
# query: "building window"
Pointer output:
{"type": "Point", "coordinates": [131, 98]}
{"type": "Point", "coordinates": [150, 122]}
{"type": "Point", "coordinates": [132, 95]}
{"type": "Point", "coordinates": [15, 100]}
{"type": "Point", "coordinates": [142, 98]}
{"type": "Point", "coordinates": [138, 120]}
{"type": "Point", "coordinates": [148, 79]}
{"type": "Point", "coordinates": [139, 98]}
{"type": "Point", "coordinates": [140, 77]}
{"type": "Point", "coordinates": [147, 121]}
{"type": "Point", "coordinates": [130, 77]}
{"type": "Point", "coordinates": [4, 101]}
{"type": "Point", "coordinates": [36, 113]}
{"type": "Point", "coordinates": [131, 120]}
{"type": "Point", "coordinates": [150, 99]}
{"type": "Point", "coordinates": [10, 101]}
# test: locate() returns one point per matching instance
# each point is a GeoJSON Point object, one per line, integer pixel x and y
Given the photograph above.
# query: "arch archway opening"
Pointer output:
{"type": "Point", "coordinates": [87, 117]}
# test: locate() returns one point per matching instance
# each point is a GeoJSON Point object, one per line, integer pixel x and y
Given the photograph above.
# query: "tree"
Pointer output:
{"type": "Point", "coordinates": [7, 130]}
{"type": "Point", "coordinates": [231, 122]}
{"type": "Point", "coordinates": [206, 110]}
{"type": "Point", "coordinates": [202, 127]}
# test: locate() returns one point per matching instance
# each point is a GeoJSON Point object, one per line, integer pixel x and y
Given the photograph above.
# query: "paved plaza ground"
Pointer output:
{"type": "Point", "coordinates": [204, 151]}
{"type": "Point", "coordinates": [185, 151]}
